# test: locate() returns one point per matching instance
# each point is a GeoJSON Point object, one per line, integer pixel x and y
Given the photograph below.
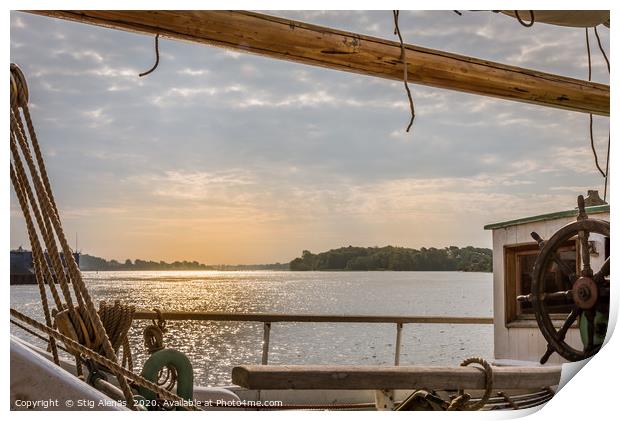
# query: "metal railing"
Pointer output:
{"type": "Point", "coordinates": [268, 318]}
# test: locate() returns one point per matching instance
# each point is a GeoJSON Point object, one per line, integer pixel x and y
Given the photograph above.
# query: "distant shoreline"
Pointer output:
{"type": "Point", "coordinates": [343, 259]}
{"type": "Point", "coordinates": [398, 259]}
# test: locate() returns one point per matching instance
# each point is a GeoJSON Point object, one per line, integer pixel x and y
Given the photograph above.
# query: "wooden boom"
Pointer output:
{"type": "Point", "coordinates": [335, 49]}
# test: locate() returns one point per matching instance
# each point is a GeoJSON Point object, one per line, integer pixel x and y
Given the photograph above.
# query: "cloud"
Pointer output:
{"type": "Point", "coordinates": [82, 55]}
{"type": "Point", "coordinates": [97, 118]}
{"type": "Point", "coordinates": [17, 22]}
{"type": "Point", "coordinates": [194, 185]}
{"type": "Point", "coordinates": [262, 151]}
{"type": "Point", "coordinates": [193, 72]}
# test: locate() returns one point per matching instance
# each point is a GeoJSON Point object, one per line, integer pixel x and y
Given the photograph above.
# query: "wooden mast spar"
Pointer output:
{"type": "Point", "coordinates": [335, 49]}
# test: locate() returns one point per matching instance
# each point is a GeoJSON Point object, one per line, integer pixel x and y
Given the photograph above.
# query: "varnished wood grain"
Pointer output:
{"type": "Point", "coordinates": [332, 48]}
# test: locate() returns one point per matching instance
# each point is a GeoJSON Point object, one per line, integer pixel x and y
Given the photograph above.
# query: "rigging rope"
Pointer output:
{"type": "Point", "coordinates": [43, 338]}
{"type": "Point", "coordinates": [403, 58]}
{"type": "Point", "coordinates": [605, 173]}
{"type": "Point", "coordinates": [100, 359]}
{"type": "Point", "coordinates": [156, 58]}
{"type": "Point", "coordinates": [74, 315]}
{"type": "Point", "coordinates": [522, 22]}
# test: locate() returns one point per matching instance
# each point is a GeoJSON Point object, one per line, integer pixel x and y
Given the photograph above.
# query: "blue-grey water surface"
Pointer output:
{"type": "Point", "coordinates": [215, 347]}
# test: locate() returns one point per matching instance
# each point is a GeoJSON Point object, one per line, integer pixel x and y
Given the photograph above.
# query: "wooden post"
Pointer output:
{"type": "Point", "coordinates": [266, 331]}
{"type": "Point", "coordinates": [384, 400]}
{"type": "Point", "coordinates": [287, 39]}
{"type": "Point", "coordinates": [399, 334]}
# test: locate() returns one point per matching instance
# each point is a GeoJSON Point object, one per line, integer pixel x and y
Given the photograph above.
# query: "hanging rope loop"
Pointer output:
{"type": "Point", "coordinates": [156, 58]}
{"type": "Point", "coordinates": [522, 22]}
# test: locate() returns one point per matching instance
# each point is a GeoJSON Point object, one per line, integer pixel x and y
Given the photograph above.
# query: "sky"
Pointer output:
{"type": "Point", "coordinates": [224, 157]}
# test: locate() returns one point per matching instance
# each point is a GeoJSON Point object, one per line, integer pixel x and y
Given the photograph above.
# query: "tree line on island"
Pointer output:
{"type": "Point", "coordinates": [467, 259]}
{"type": "Point", "coordinates": [88, 262]}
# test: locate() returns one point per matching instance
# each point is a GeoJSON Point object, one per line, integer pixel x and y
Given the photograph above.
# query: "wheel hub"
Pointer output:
{"type": "Point", "coordinates": [585, 292]}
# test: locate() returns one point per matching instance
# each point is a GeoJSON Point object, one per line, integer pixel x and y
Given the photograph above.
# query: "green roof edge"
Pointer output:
{"type": "Point", "coordinates": [546, 217]}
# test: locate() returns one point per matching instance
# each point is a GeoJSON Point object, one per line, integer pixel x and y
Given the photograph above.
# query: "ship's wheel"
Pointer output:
{"type": "Point", "coordinates": [584, 291]}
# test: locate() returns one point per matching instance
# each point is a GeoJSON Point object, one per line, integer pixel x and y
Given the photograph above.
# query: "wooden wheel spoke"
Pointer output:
{"type": "Point", "coordinates": [603, 271]}
{"type": "Point", "coordinates": [558, 295]}
{"type": "Point", "coordinates": [588, 293]}
{"type": "Point", "coordinates": [561, 334]}
{"type": "Point", "coordinates": [586, 269]}
{"type": "Point", "coordinates": [566, 270]}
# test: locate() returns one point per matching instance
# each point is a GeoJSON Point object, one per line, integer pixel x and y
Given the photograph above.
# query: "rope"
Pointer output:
{"type": "Point", "coordinates": [607, 168]}
{"type": "Point", "coordinates": [403, 58]}
{"type": "Point", "coordinates": [79, 323]}
{"type": "Point", "coordinates": [600, 46]}
{"type": "Point", "coordinates": [117, 321]}
{"type": "Point", "coordinates": [156, 58]}
{"type": "Point", "coordinates": [522, 22]}
{"type": "Point", "coordinates": [18, 140]}
{"type": "Point", "coordinates": [36, 335]}
{"type": "Point", "coordinates": [508, 400]}
{"type": "Point", "coordinates": [38, 270]}
{"type": "Point", "coordinates": [460, 403]}
{"type": "Point", "coordinates": [49, 223]}
{"type": "Point", "coordinates": [100, 359]}
{"type": "Point", "coordinates": [605, 173]}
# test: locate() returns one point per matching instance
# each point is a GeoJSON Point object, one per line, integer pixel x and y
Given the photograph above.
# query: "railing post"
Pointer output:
{"type": "Point", "coordinates": [266, 331]}
{"type": "Point", "coordinates": [399, 334]}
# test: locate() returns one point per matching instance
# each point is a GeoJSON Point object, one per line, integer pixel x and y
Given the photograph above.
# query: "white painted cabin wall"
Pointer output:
{"type": "Point", "coordinates": [527, 343]}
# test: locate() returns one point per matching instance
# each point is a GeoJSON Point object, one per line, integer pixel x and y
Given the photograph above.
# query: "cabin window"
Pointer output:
{"type": "Point", "coordinates": [519, 262]}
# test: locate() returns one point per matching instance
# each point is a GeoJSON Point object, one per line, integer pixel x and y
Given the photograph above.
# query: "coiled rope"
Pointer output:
{"type": "Point", "coordinates": [100, 359]}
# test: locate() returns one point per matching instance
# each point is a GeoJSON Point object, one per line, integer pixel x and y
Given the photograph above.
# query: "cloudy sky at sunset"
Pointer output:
{"type": "Point", "coordinates": [224, 157]}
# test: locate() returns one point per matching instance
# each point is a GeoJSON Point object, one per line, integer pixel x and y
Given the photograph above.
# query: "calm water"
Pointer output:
{"type": "Point", "coordinates": [215, 347]}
